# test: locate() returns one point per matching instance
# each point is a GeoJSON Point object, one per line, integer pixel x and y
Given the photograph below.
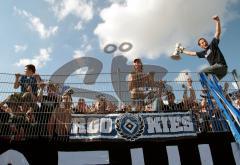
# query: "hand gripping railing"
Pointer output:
{"type": "Point", "coordinates": [231, 114]}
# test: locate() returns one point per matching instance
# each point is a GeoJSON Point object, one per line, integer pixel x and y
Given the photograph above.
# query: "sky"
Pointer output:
{"type": "Point", "coordinates": [50, 33]}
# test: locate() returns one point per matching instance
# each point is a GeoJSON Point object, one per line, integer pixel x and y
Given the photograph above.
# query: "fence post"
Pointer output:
{"type": "Point", "coordinates": [236, 79]}
{"type": "Point", "coordinates": [119, 84]}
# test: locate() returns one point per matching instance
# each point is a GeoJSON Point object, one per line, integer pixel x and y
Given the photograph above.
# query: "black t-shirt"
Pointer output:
{"type": "Point", "coordinates": [48, 105]}
{"type": "Point", "coordinates": [212, 53]}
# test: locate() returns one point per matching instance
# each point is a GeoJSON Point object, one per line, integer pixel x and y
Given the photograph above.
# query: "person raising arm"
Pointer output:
{"type": "Point", "coordinates": [211, 52]}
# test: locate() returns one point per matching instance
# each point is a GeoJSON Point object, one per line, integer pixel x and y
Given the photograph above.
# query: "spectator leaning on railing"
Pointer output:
{"type": "Point", "coordinates": [137, 81]}
{"type": "Point", "coordinates": [185, 102]}
{"type": "Point", "coordinates": [60, 121]}
{"type": "Point", "coordinates": [48, 104]}
{"type": "Point", "coordinates": [20, 121]}
{"type": "Point", "coordinates": [28, 81]}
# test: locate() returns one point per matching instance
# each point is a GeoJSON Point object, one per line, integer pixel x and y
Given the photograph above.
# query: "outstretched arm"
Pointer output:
{"type": "Point", "coordinates": [190, 53]}
{"type": "Point", "coordinates": [218, 27]}
{"type": "Point", "coordinates": [192, 91]}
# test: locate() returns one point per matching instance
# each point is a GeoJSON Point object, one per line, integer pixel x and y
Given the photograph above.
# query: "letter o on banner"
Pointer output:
{"type": "Point", "coordinates": [110, 48]}
{"type": "Point", "coordinates": [106, 125]}
{"type": "Point", "coordinates": [125, 46]}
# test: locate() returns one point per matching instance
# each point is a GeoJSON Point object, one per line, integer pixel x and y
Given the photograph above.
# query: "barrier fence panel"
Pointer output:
{"type": "Point", "coordinates": [131, 107]}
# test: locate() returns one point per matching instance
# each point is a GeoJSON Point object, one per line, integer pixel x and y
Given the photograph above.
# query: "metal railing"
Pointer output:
{"type": "Point", "coordinates": [47, 112]}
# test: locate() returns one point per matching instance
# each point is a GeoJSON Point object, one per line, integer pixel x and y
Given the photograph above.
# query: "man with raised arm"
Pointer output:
{"type": "Point", "coordinates": [212, 53]}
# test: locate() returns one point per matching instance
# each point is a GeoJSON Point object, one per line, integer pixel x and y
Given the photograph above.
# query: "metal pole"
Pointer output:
{"type": "Point", "coordinates": [235, 76]}
{"type": "Point", "coordinates": [119, 84]}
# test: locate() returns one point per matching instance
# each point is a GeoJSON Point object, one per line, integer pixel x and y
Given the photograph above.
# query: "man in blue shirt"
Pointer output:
{"type": "Point", "coordinates": [28, 82]}
{"type": "Point", "coordinates": [212, 53]}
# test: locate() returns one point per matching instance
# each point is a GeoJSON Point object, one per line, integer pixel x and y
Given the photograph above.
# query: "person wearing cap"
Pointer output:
{"type": "Point", "coordinates": [137, 80]}
{"type": "Point", "coordinates": [212, 53]}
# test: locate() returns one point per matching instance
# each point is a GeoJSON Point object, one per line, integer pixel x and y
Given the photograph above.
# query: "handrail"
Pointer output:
{"type": "Point", "coordinates": [231, 114]}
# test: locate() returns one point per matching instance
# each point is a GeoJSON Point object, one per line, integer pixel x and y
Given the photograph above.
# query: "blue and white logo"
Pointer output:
{"type": "Point", "coordinates": [130, 126]}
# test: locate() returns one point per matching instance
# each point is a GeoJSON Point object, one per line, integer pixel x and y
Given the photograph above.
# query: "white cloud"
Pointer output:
{"type": "Point", "coordinates": [154, 26]}
{"type": "Point", "coordinates": [84, 48]}
{"type": "Point", "coordinates": [88, 47]}
{"type": "Point", "coordinates": [82, 9]}
{"type": "Point", "coordinates": [117, 1]}
{"type": "Point", "coordinates": [79, 26]}
{"type": "Point", "coordinates": [19, 48]}
{"type": "Point", "coordinates": [36, 24]}
{"type": "Point", "coordinates": [182, 76]}
{"type": "Point", "coordinates": [78, 54]}
{"type": "Point", "coordinates": [82, 71]}
{"type": "Point", "coordinates": [82, 53]}
{"type": "Point", "coordinates": [39, 60]}
{"type": "Point", "coordinates": [84, 39]}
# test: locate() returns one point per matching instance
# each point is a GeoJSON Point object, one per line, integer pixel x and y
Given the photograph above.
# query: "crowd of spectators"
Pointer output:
{"type": "Point", "coordinates": [31, 112]}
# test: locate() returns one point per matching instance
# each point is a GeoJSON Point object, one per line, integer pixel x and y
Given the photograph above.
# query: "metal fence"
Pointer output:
{"type": "Point", "coordinates": [46, 112]}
